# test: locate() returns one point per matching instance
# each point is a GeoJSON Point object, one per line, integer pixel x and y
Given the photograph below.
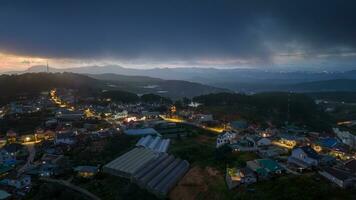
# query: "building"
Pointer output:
{"type": "Point", "coordinates": [346, 137]}
{"type": "Point", "coordinates": [238, 125]}
{"type": "Point", "coordinates": [141, 132]}
{"type": "Point", "coordinates": [304, 157]}
{"type": "Point", "coordinates": [264, 168]}
{"type": "Point", "coordinates": [86, 171]}
{"type": "Point", "coordinates": [244, 144]}
{"type": "Point", "coordinates": [260, 141]}
{"type": "Point", "coordinates": [161, 175]}
{"type": "Point", "coordinates": [235, 177]}
{"type": "Point", "coordinates": [340, 177]}
{"type": "Point", "coordinates": [201, 118]}
{"type": "Point", "coordinates": [65, 138]}
{"type": "Point", "coordinates": [225, 138]}
{"type": "Point", "coordinates": [17, 182]}
{"type": "Point", "coordinates": [4, 195]}
{"type": "Point", "coordinates": [127, 164]}
{"type": "Point", "coordinates": [156, 144]}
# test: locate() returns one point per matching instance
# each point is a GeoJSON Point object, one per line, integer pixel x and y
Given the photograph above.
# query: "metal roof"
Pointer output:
{"type": "Point", "coordinates": [160, 176]}
{"type": "Point", "coordinates": [141, 131]}
{"type": "Point", "coordinates": [130, 162]}
{"type": "Point", "coordinates": [156, 144]}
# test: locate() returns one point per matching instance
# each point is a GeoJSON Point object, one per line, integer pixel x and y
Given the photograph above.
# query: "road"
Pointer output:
{"type": "Point", "coordinates": [73, 187]}
{"type": "Point", "coordinates": [32, 152]}
{"type": "Point", "coordinates": [216, 130]}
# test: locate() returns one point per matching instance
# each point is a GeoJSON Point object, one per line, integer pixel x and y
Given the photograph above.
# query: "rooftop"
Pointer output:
{"type": "Point", "coordinates": [130, 162]}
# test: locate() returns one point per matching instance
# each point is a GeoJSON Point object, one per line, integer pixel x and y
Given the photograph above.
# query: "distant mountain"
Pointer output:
{"type": "Point", "coordinates": [325, 86]}
{"type": "Point", "coordinates": [169, 88]}
{"type": "Point", "coordinates": [242, 80]}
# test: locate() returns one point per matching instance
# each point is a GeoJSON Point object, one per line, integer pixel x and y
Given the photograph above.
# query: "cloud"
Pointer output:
{"type": "Point", "coordinates": [196, 32]}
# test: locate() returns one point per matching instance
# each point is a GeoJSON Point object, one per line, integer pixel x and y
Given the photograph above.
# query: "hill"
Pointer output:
{"type": "Point", "coordinates": [328, 85]}
{"type": "Point", "coordinates": [241, 80]}
{"type": "Point", "coordinates": [169, 88]}
{"type": "Point", "coordinates": [277, 107]}
{"type": "Point", "coordinates": [32, 83]}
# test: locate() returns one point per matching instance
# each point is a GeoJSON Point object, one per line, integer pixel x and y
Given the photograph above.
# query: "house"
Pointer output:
{"type": "Point", "coordinates": [304, 157]}
{"type": "Point", "coordinates": [201, 118]}
{"type": "Point", "coordinates": [86, 171]}
{"type": "Point", "coordinates": [3, 142]}
{"type": "Point", "coordinates": [69, 115]}
{"type": "Point", "coordinates": [27, 138]}
{"type": "Point", "coordinates": [265, 167]}
{"type": "Point", "coordinates": [288, 140]}
{"type": "Point", "coordinates": [346, 137]}
{"type": "Point", "coordinates": [6, 158]}
{"type": "Point", "coordinates": [225, 138]}
{"type": "Point", "coordinates": [4, 170]}
{"type": "Point", "coordinates": [238, 125]}
{"type": "Point", "coordinates": [50, 158]}
{"type": "Point", "coordinates": [17, 182]}
{"type": "Point", "coordinates": [65, 138]}
{"type": "Point", "coordinates": [11, 135]}
{"type": "Point", "coordinates": [244, 144]}
{"type": "Point", "coordinates": [260, 141]}
{"type": "Point", "coordinates": [267, 132]}
{"type": "Point", "coordinates": [340, 177]}
{"type": "Point", "coordinates": [4, 195]}
{"type": "Point", "coordinates": [48, 170]}
{"type": "Point", "coordinates": [235, 177]}
{"type": "Point", "coordinates": [14, 149]}
{"type": "Point", "coordinates": [271, 151]}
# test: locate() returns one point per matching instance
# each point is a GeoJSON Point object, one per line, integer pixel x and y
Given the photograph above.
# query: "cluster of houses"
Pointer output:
{"type": "Point", "coordinates": [286, 151]}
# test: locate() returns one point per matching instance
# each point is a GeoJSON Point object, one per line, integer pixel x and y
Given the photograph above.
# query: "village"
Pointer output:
{"type": "Point", "coordinates": [64, 139]}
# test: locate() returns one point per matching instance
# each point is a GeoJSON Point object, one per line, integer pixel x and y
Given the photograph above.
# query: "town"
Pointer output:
{"type": "Point", "coordinates": [61, 142]}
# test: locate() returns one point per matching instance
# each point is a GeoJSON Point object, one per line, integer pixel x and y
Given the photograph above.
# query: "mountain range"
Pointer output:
{"type": "Point", "coordinates": [240, 80]}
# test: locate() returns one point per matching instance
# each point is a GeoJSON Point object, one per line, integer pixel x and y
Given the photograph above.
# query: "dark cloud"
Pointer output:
{"type": "Point", "coordinates": [177, 29]}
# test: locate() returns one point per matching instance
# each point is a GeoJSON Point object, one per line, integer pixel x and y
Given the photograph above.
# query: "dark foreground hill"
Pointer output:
{"type": "Point", "coordinates": [31, 83]}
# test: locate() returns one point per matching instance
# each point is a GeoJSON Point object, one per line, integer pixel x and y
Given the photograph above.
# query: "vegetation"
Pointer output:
{"type": "Point", "coordinates": [347, 97]}
{"type": "Point", "coordinates": [113, 188]}
{"type": "Point", "coordinates": [23, 123]}
{"type": "Point", "coordinates": [154, 98]}
{"type": "Point", "coordinates": [53, 191]}
{"type": "Point", "coordinates": [293, 188]}
{"type": "Point", "coordinates": [277, 107]}
{"type": "Point", "coordinates": [121, 96]}
{"type": "Point", "coordinates": [91, 153]}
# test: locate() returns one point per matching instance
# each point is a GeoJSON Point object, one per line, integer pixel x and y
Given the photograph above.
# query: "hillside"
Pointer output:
{"type": "Point", "coordinates": [328, 85]}
{"type": "Point", "coordinates": [277, 107]}
{"type": "Point", "coordinates": [32, 83]}
{"type": "Point", "coordinates": [37, 82]}
{"type": "Point", "coordinates": [169, 88]}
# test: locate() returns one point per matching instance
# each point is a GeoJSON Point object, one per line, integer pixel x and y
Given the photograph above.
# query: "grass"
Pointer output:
{"type": "Point", "coordinates": [114, 147]}
{"type": "Point", "coordinates": [293, 188]}
{"type": "Point", "coordinates": [113, 188]}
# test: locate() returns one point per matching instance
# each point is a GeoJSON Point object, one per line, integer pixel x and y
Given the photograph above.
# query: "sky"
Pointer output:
{"type": "Point", "coordinates": [274, 34]}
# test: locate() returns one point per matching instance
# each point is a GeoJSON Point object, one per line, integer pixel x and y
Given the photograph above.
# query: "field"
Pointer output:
{"type": "Point", "coordinates": [206, 178]}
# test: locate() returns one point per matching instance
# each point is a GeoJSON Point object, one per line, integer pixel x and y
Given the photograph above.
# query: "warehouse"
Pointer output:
{"type": "Point", "coordinates": [161, 175]}
{"type": "Point", "coordinates": [156, 144]}
{"type": "Point", "coordinates": [156, 172]}
{"type": "Point", "coordinates": [130, 162]}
